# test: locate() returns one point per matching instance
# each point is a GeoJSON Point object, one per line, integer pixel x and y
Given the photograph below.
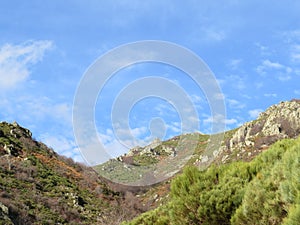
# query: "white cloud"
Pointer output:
{"type": "Point", "coordinates": [218, 96]}
{"type": "Point", "coordinates": [297, 92]}
{"type": "Point", "coordinates": [274, 95]}
{"type": "Point", "coordinates": [164, 109]}
{"type": "Point", "coordinates": [197, 99]}
{"type": "Point", "coordinates": [116, 148]}
{"type": "Point", "coordinates": [15, 61]}
{"type": "Point", "coordinates": [41, 108]}
{"type": "Point", "coordinates": [127, 135]}
{"type": "Point", "coordinates": [291, 36]}
{"type": "Point", "coordinates": [267, 64]}
{"type": "Point", "coordinates": [295, 53]}
{"type": "Point", "coordinates": [235, 104]}
{"type": "Point", "coordinates": [230, 121]}
{"type": "Point", "coordinates": [130, 136]}
{"type": "Point", "coordinates": [62, 146]}
{"type": "Point", "coordinates": [246, 96]}
{"type": "Point", "coordinates": [118, 145]}
{"type": "Point", "coordinates": [236, 81]}
{"type": "Point", "coordinates": [284, 77]}
{"type": "Point", "coordinates": [254, 113]}
{"type": "Point", "coordinates": [214, 35]}
{"type": "Point", "coordinates": [264, 50]}
{"type": "Point", "coordinates": [282, 72]}
{"type": "Point", "coordinates": [138, 131]}
{"type": "Point", "coordinates": [234, 63]}
{"type": "Point", "coordinates": [174, 127]}
{"type": "Point", "coordinates": [106, 137]}
{"type": "Point", "coordinates": [219, 119]}
{"type": "Point", "coordinates": [274, 65]}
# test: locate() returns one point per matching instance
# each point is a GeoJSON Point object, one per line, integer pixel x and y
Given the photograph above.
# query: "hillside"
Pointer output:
{"type": "Point", "coordinates": [38, 186]}
{"type": "Point", "coordinates": [244, 143]}
{"type": "Point", "coordinates": [263, 191]}
{"type": "Point", "coordinates": [251, 181]}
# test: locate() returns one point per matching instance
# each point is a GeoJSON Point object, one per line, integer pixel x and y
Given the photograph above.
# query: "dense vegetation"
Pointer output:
{"type": "Point", "coordinates": [37, 186]}
{"type": "Point", "coordinates": [263, 191]}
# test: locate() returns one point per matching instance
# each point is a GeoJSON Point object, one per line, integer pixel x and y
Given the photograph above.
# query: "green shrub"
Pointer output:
{"type": "Point", "coordinates": [264, 191]}
{"type": "Point", "coordinates": [271, 194]}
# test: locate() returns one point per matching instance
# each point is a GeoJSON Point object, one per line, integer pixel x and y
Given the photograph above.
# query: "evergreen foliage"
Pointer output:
{"type": "Point", "coordinates": [263, 191]}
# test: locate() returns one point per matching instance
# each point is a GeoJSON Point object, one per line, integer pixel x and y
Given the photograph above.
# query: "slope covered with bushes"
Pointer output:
{"type": "Point", "coordinates": [37, 186]}
{"type": "Point", "coordinates": [263, 191]}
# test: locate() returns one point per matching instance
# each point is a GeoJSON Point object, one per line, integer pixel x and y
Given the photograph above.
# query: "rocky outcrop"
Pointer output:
{"type": "Point", "coordinates": [277, 122]}
{"type": "Point", "coordinates": [4, 215]}
{"type": "Point", "coordinates": [282, 119]}
{"type": "Point", "coordinates": [15, 130]}
{"type": "Point", "coordinates": [149, 148]}
{"type": "Point", "coordinates": [155, 149]}
{"type": "Point", "coordinates": [11, 136]}
{"type": "Point", "coordinates": [145, 150]}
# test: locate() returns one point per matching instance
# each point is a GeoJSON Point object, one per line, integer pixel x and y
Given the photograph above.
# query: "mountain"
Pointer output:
{"type": "Point", "coordinates": [254, 177]}
{"type": "Point", "coordinates": [38, 186]}
{"type": "Point", "coordinates": [244, 143]}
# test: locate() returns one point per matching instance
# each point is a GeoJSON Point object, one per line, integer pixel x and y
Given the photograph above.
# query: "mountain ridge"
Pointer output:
{"type": "Point", "coordinates": [243, 143]}
{"type": "Point", "coordinates": [39, 186]}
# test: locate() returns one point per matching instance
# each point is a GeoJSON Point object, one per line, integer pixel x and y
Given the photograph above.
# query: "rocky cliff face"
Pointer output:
{"type": "Point", "coordinates": [277, 122]}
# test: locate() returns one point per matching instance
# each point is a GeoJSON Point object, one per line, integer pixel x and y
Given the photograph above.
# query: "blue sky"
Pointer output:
{"type": "Point", "coordinates": [252, 47]}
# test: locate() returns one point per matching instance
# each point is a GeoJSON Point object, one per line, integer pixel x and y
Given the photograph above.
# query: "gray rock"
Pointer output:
{"type": "Point", "coordinates": [4, 215]}
{"type": "Point", "coordinates": [279, 121]}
